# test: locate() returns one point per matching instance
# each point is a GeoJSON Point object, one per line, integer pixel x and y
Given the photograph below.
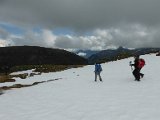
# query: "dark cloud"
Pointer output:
{"type": "Point", "coordinates": [80, 14]}
{"type": "Point", "coordinates": [130, 23]}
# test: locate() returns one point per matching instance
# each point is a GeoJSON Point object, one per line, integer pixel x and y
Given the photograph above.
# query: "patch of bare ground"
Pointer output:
{"type": "Point", "coordinates": [6, 78]}
{"type": "Point", "coordinates": [26, 85]}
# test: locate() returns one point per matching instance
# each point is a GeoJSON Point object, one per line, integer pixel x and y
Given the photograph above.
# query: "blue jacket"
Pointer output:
{"type": "Point", "coordinates": [98, 68]}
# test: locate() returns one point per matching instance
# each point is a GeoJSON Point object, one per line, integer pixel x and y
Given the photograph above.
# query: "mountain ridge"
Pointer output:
{"type": "Point", "coordinates": [120, 53]}
{"type": "Point", "coordinates": [35, 55]}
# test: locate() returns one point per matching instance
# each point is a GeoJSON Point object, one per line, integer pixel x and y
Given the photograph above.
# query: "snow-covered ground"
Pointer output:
{"type": "Point", "coordinates": [77, 97]}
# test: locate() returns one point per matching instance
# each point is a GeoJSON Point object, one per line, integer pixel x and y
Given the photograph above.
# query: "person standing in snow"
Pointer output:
{"type": "Point", "coordinates": [98, 70]}
{"type": "Point", "coordinates": [136, 71]}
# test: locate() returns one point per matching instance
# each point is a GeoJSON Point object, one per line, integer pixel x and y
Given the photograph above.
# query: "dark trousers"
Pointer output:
{"type": "Point", "coordinates": [137, 74]}
{"type": "Point", "coordinates": [98, 74]}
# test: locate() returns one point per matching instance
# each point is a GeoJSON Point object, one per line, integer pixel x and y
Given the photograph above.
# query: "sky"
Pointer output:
{"type": "Point", "coordinates": [80, 24]}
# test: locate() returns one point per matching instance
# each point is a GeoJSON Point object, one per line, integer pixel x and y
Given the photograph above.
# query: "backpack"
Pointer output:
{"type": "Point", "coordinates": [141, 63]}
{"type": "Point", "coordinates": [98, 68]}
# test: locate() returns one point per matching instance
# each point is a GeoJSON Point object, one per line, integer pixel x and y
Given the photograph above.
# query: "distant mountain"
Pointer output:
{"type": "Point", "coordinates": [120, 53]}
{"type": "Point", "coordinates": [33, 55]}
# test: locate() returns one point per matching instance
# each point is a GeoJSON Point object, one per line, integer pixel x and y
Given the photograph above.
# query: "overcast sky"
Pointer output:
{"type": "Point", "coordinates": [80, 24]}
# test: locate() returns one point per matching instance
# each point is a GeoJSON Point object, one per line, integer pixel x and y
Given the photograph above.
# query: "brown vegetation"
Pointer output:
{"type": "Point", "coordinates": [27, 85]}
{"type": "Point", "coordinates": [6, 78]}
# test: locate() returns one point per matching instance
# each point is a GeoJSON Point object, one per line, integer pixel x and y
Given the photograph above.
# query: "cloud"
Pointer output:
{"type": "Point", "coordinates": [132, 36]}
{"type": "Point", "coordinates": [80, 14]}
{"type": "Point", "coordinates": [75, 42]}
{"type": "Point", "coordinates": [3, 33]}
{"type": "Point", "coordinates": [3, 43]}
{"type": "Point", "coordinates": [45, 38]}
{"type": "Point", "coordinates": [96, 24]}
{"type": "Point", "coordinates": [82, 54]}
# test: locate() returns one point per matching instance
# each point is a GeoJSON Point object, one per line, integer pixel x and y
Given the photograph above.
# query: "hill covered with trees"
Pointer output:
{"type": "Point", "coordinates": [34, 55]}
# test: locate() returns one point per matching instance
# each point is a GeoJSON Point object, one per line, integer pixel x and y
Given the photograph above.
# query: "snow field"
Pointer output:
{"type": "Point", "coordinates": [77, 97]}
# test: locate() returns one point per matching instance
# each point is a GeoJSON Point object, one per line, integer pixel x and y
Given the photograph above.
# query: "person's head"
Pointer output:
{"type": "Point", "coordinates": [136, 56]}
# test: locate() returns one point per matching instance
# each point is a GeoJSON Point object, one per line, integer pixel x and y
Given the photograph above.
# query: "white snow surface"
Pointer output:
{"type": "Point", "coordinates": [77, 97]}
{"type": "Point", "coordinates": [22, 72]}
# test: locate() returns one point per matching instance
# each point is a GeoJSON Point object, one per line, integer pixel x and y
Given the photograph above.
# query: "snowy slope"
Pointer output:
{"type": "Point", "coordinates": [77, 97]}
